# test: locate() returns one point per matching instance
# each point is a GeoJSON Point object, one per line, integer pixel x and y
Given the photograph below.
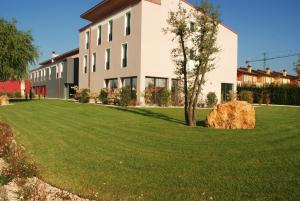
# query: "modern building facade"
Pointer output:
{"type": "Point", "coordinates": [56, 77]}
{"type": "Point", "coordinates": [124, 45]}
{"type": "Point", "coordinates": [248, 76]}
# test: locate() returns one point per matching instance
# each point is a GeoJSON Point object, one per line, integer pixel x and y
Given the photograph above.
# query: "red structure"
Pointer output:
{"type": "Point", "coordinates": [15, 86]}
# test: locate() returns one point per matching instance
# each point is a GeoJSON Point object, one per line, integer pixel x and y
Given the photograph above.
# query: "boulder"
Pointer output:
{"type": "Point", "coordinates": [232, 115]}
{"type": "Point", "coordinates": [4, 100]}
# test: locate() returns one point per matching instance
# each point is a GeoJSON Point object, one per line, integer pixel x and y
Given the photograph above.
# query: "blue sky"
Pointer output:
{"type": "Point", "coordinates": [263, 26]}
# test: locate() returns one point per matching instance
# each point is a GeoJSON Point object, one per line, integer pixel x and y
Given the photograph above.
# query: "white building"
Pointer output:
{"type": "Point", "coordinates": [124, 45]}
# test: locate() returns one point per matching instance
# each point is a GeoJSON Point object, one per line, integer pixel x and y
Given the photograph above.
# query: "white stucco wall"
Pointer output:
{"type": "Point", "coordinates": [156, 48]}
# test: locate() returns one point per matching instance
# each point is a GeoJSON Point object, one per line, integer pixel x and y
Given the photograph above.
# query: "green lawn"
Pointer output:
{"type": "Point", "coordinates": [148, 154]}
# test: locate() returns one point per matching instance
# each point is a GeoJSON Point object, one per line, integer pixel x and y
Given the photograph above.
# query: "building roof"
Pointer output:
{"type": "Point", "coordinates": [244, 70]}
{"type": "Point", "coordinates": [106, 8]}
{"type": "Point", "coordinates": [58, 58]}
{"type": "Point", "coordinates": [61, 57]}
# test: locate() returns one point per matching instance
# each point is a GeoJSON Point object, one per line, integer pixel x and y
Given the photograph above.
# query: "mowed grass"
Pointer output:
{"type": "Point", "coordinates": [149, 154]}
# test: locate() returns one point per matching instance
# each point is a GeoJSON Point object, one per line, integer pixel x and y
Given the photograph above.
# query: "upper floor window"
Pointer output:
{"type": "Point", "coordinates": [57, 71]}
{"type": "Point", "coordinates": [127, 23]}
{"type": "Point", "coordinates": [50, 69]}
{"type": "Point", "coordinates": [107, 59]}
{"type": "Point", "coordinates": [124, 55]}
{"type": "Point", "coordinates": [45, 74]}
{"type": "Point", "coordinates": [110, 30]}
{"type": "Point", "coordinates": [85, 64]}
{"type": "Point", "coordinates": [99, 35]}
{"type": "Point", "coordinates": [61, 70]}
{"type": "Point", "coordinates": [94, 62]}
{"type": "Point", "coordinates": [87, 40]}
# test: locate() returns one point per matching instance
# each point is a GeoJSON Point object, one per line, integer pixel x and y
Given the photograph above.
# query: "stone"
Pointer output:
{"type": "Point", "coordinates": [4, 100]}
{"type": "Point", "coordinates": [232, 115]}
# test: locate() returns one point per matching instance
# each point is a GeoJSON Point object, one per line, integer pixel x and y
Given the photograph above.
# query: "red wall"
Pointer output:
{"type": "Point", "coordinates": [14, 86]}
{"type": "Point", "coordinates": [10, 86]}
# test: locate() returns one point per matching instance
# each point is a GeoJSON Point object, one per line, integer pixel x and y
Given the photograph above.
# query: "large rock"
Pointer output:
{"type": "Point", "coordinates": [4, 100]}
{"type": "Point", "coordinates": [232, 115]}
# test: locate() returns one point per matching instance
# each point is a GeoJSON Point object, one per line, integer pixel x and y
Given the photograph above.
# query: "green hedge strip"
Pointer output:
{"type": "Point", "coordinates": [279, 94]}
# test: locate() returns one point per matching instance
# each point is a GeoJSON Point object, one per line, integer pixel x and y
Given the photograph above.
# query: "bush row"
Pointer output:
{"type": "Point", "coordinates": [11, 94]}
{"type": "Point", "coordinates": [275, 94]}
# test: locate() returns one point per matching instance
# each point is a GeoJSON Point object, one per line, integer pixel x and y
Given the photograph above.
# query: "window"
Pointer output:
{"type": "Point", "coordinates": [192, 26]}
{"type": "Point", "coordinates": [153, 87]}
{"type": "Point", "coordinates": [49, 72]}
{"type": "Point", "coordinates": [124, 55]}
{"type": "Point", "coordinates": [130, 82]}
{"type": "Point", "coordinates": [99, 35]}
{"type": "Point", "coordinates": [87, 40]}
{"type": "Point", "coordinates": [127, 24]}
{"type": "Point", "coordinates": [107, 59]}
{"type": "Point", "coordinates": [94, 62]}
{"type": "Point", "coordinates": [57, 71]}
{"type": "Point", "coordinates": [110, 30]}
{"type": "Point", "coordinates": [225, 89]}
{"type": "Point", "coordinates": [111, 83]}
{"type": "Point", "coordinates": [61, 70]}
{"type": "Point", "coordinates": [45, 74]}
{"type": "Point", "coordinates": [85, 64]}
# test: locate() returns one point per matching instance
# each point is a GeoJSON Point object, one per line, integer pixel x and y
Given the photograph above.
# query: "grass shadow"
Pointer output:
{"type": "Point", "coordinates": [201, 123]}
{"type": "Point", "coordinates": [151, 114]}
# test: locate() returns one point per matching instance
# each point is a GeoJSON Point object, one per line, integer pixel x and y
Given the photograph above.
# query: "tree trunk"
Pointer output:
{"type": "Point", "coordinates": [185, 80]}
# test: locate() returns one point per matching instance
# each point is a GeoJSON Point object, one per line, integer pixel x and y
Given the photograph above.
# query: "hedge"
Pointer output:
{"type": "Point", "coordinates": [278, 94]}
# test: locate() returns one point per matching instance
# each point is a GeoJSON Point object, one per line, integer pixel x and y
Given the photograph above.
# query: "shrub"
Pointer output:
{"type": "Point", "coordinates": [113, 97]}
{"type": "Point", "coordinates": [11, 95]}
{"type": "Point", "coordinates": [18, 94]}
{"type": "Point", "coordinates": [149, 95]}
{"type": "Point", "coordinates": [164, 97]}
{"type": "Point", "coordinates": [127, 97]}
{"type": "Point", "coordinates": [246, 96]}
{"type": "Point", "coordinates": [211, 99]}
{"type": "Point", "coordinates": [103, 96]}
{"type": "Point", "coordinates": [82, 95]}
{"type": "Point", "coordinates": [94, 96]}
{"type": "Point", "coordinates": [18, 164]}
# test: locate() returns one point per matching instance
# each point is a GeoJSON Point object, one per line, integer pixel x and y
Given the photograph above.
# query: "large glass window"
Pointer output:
{"type": "Point", "coordinates": [130, 82]}
{"type": "Point", "coordinates": [111, 83]}
{"type": "Point", "coordinates": [153, 86]}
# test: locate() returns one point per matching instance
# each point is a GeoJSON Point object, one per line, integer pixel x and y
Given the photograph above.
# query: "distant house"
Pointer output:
{"type": "Point", "coordinates": [248, 76]}
{"type": "Point", "coordinates": [56, 77]}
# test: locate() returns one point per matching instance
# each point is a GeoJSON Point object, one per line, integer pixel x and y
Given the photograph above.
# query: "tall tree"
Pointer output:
{"type": "Point", "coordinates": [17, 51]}
{"type": "Point", "coordinates": [195, 32]}
{"type": "Point", "coordinates": [297, 66]}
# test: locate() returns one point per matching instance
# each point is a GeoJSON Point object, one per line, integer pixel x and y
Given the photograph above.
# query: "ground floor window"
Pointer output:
{"type": "Point", "coordinates": [130, 82]}
{"type": "Point", "coordinates": [111, 83]}
{"type": "Point", "coordinates": [225, 89]}
{"type": "Point", "coordinates": [153, 86]}
{"type": "Point", "coordinates": [176, 95]}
